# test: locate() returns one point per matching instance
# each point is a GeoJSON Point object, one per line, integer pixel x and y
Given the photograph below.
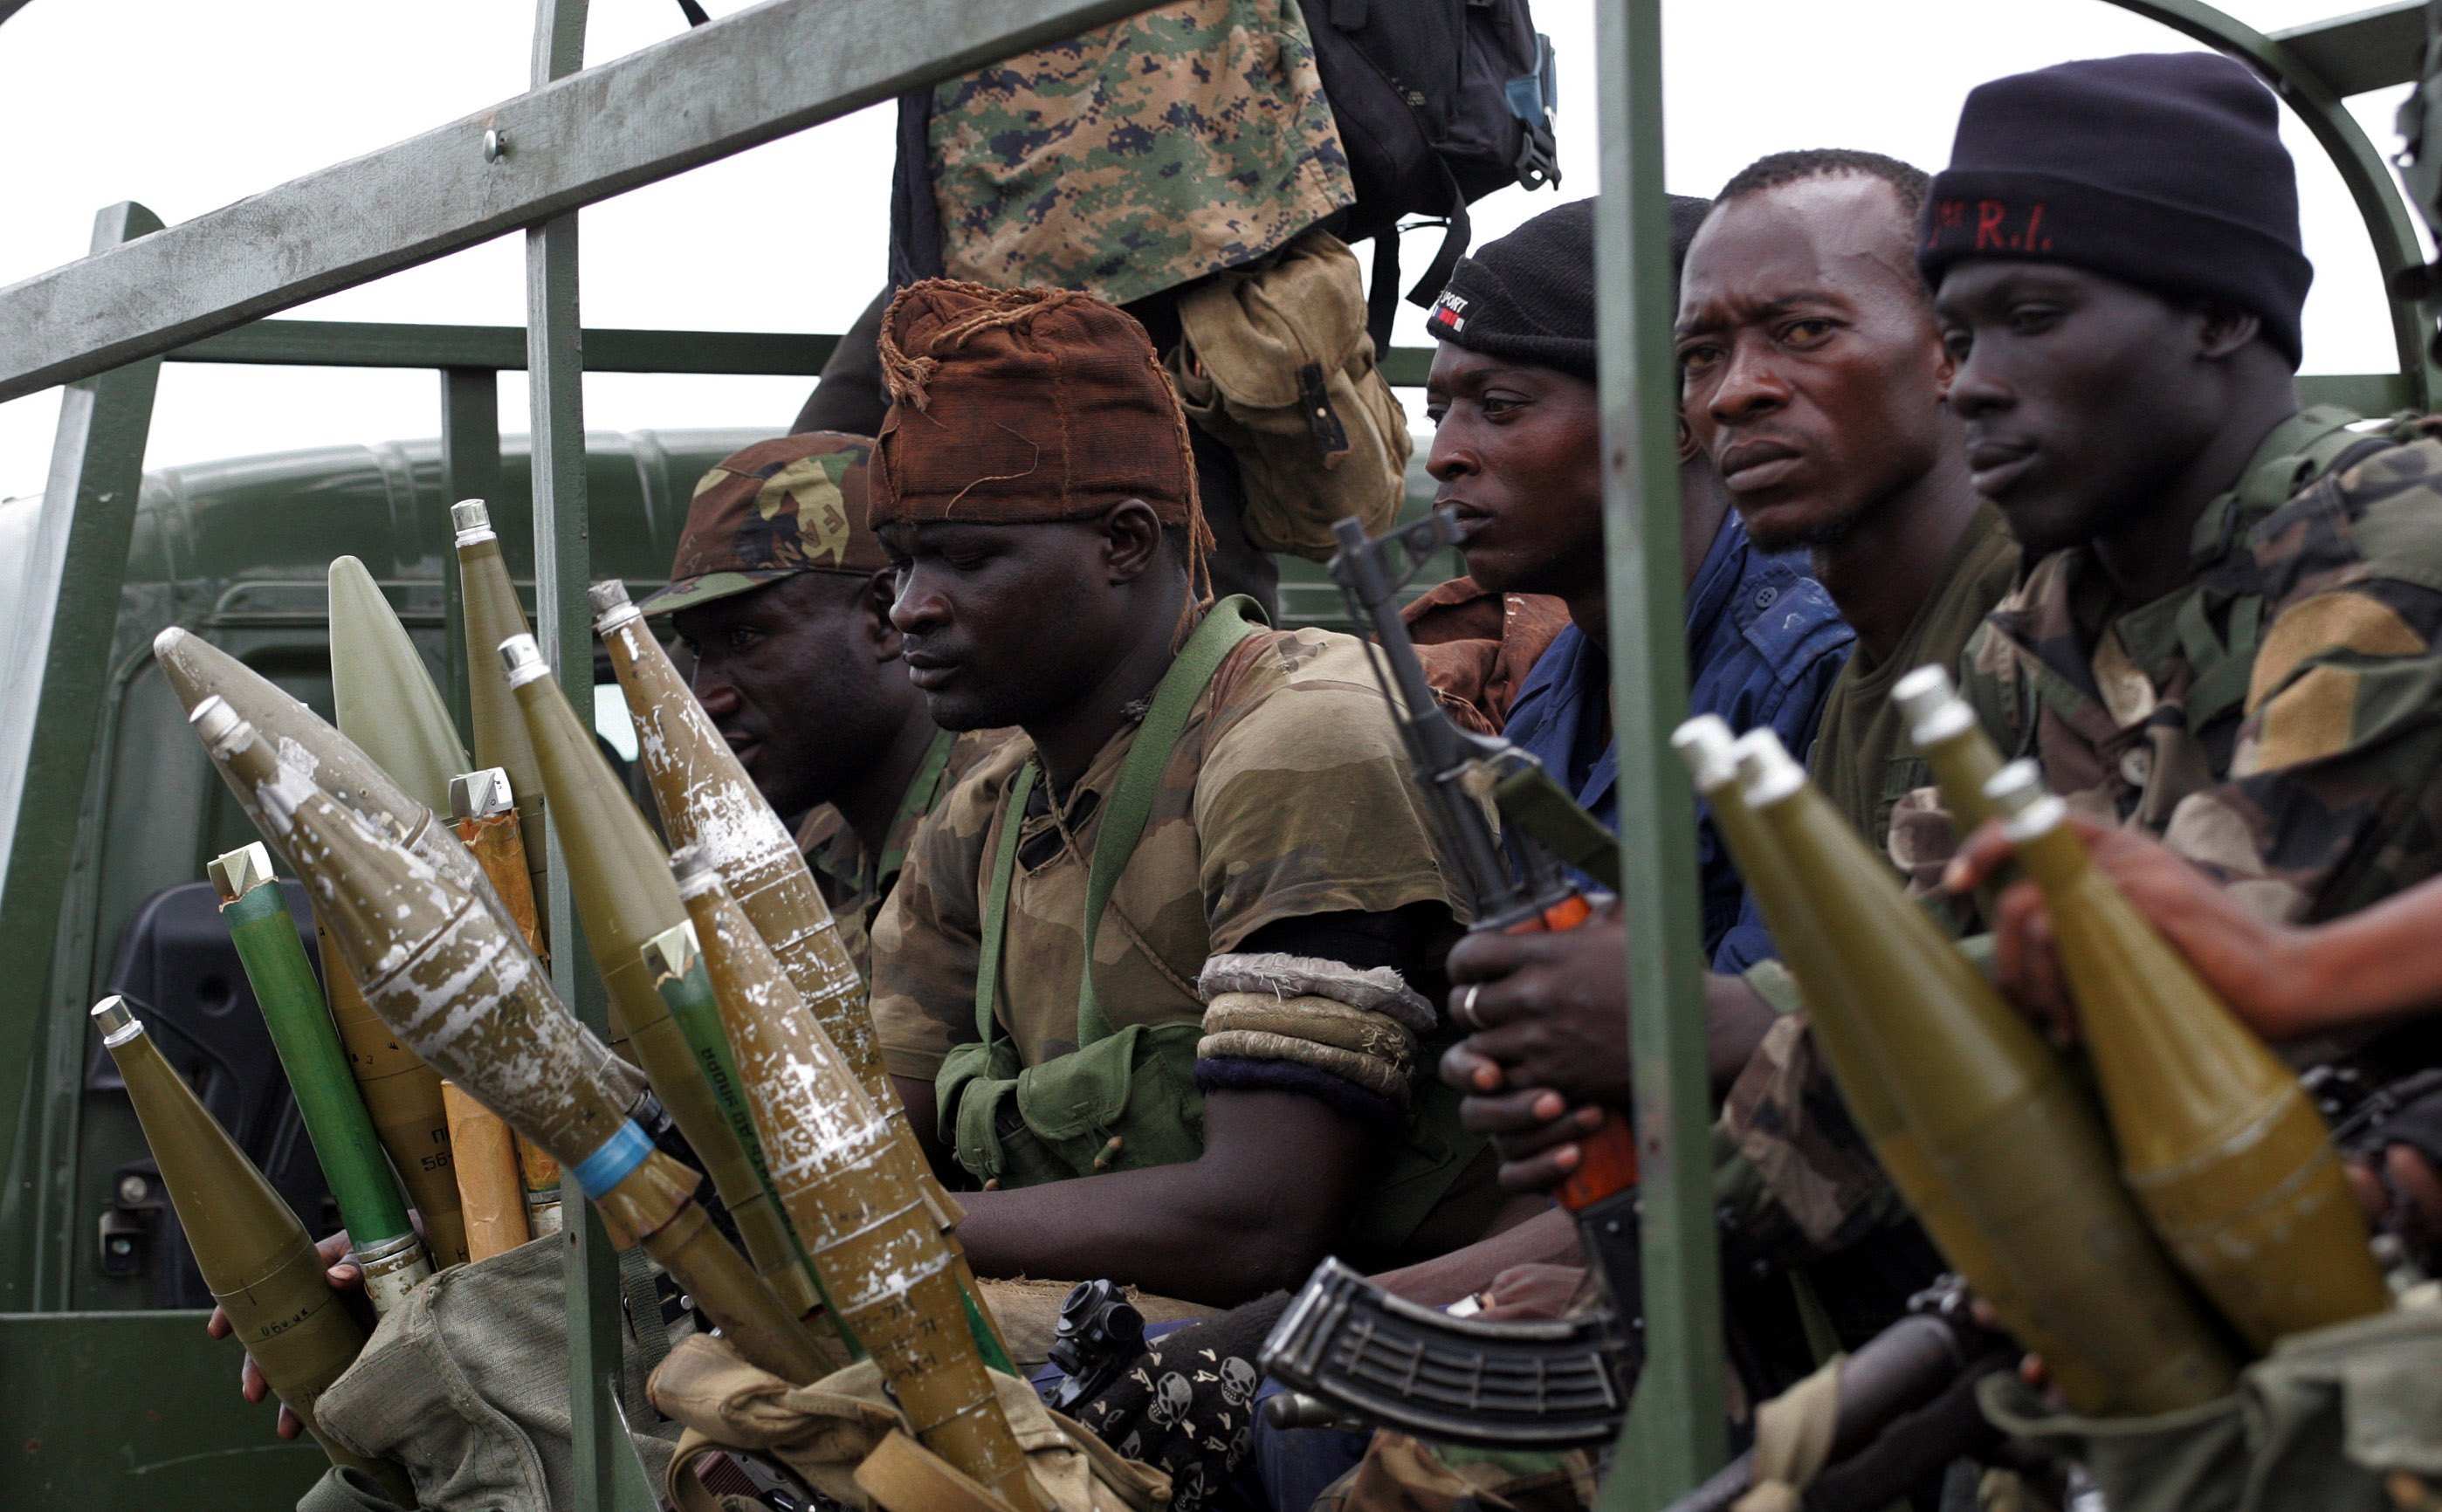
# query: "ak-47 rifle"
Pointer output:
{"type": "Point", "coordinates": [1343, 1340]}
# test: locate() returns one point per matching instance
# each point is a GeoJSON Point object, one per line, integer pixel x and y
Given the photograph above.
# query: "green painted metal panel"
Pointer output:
{"type": "Point", "coordinates": [374, 344]}
{"type": "Point", "coordinates": [751, 77]}
{"type": "Point", "coordinates": [1676, 1433]}
{"type": "Point", "coordinates": [2369, 49]}
{"type": "Point", "coordinates": [68, 559]}
{"type": "Point", "coordinates": [2361, 168]}
{"type": "Point", "coordinates": [137, 1413]}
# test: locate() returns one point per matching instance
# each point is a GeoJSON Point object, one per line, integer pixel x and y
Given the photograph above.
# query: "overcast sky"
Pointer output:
{"type": "Point", "coordinates": [185, 106]}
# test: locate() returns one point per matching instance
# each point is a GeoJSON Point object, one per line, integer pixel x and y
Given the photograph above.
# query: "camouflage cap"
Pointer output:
{"type": "Point", "coordinates": [796, 504]}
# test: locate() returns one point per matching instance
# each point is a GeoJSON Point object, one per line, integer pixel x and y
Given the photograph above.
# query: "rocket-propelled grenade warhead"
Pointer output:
{"type": "Point", "coordinates": [881, 1258]}
{"type": "Point", "coordinates": [307, 745]}
{"type": "Point", "coordinates": [484, 808]}
{"type": "Point", "coordinates": [679, 977]}
{"type": "Point", "coordinates": [383, 696]}
{"type": "Point", "coordinates": [468, 996]}
{"type": "Point", "coordinates": [706, 800]}
{"type": "Point", "coordinates": [401, 1094]}
{"type": "Point", "coordinates": [1842, 1031]}
{"type": "Point", "coordinates": [381, 1240]}
{"type": "Point", "coordinates": [2222, 1146]}
{"type": "Point", "coordinates": [254, 1255]}
{"type": "Point", "coordinates": [1945, 731]}
{"type": "Point", "coordinates": [2001, 1123]}
{"type": "Point", "coordinates": [492, 614]}
{"type": "Point", "coordinates": [619, 880]}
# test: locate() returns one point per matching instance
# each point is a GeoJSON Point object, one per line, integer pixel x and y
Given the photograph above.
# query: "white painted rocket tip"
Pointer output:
{"type": "Point", "coordinates": [1931, 704]}
{"type": "Point", "coordinates": [612, 607]}
{"type": "Point", "coordinates": [1767, 773]}
{"type": "Point", "coordinates": [167, 642]}
{"type": "Point", "coordinates": [522, 660]}
{"type": "Point", "coordinates": [217, 725]}
{"type": "Point", "coordinates": [473, 520]}
{"type": "Point", "coordinates": [1709, 749]}
{"type": "Point", "coordinates": [116, 1020]}
{"type": "Point", "coordinates": [2028, 808]}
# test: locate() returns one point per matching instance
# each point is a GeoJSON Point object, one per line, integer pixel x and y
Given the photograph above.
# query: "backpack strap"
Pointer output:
{"type": "Point", "coordinates": [1224, 625]}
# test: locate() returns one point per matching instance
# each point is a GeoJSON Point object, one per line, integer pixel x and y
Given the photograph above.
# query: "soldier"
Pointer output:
{"type": "Point", "coordinates": [1220, 817]}
{"type": "Point", "coordinates": [1518, 451]}
{"type": "Point", "coordinates": [2226, 634]}
{"type": "Point", "coordinates": [783, 594]}
{"type": "Point", "coordinates": [1814, 375]}
{"type": "Point", "coordinates": [1042, 170]}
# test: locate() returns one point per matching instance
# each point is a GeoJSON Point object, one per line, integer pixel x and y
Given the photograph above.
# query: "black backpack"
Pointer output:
{"type": "Point", "coordinates": [1439, 103]}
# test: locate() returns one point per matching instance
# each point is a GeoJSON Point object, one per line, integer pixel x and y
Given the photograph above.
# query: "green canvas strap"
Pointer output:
{"type": "Point", "coordinates": [915, 803]}
{"type": "Point", "coordinates": [2305, 448]}
{"type": "Point", "coordinates": [995, 923]}
{"type": "Point", "coordinates": [1130, 804]}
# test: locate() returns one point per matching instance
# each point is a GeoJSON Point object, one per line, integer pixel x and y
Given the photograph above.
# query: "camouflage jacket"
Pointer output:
{"type": "Point", "coordinates": [1140, 155]}
{"type": "Point", "coordinates": [2278, 721]}
{"type": "Point", "coordinates": [1288, 794]}
{"type": "Point", "coordinates": [853, 880]}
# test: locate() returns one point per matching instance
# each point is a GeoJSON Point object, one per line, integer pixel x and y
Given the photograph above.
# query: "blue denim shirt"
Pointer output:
{"type": "Point", "coordinates": [1764, 644]}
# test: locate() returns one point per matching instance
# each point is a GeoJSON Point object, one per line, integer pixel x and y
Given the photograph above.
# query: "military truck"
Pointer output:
{"type": "Point", "coordinates": [108, 811]}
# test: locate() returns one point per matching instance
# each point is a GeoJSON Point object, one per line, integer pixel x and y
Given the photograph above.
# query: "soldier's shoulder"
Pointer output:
{"type": "Point", "coordinates": [2380, 516]}
{"type": "Point", "coordinates": [977, 791]}
{"type": "Point", "coordinates": [1302, 700]}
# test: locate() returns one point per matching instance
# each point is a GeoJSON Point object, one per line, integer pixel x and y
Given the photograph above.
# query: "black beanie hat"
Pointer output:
{"type": "Point", "coordinates": [2162, 170]}
{"type": "Point", "coordinates": [1530, 295]}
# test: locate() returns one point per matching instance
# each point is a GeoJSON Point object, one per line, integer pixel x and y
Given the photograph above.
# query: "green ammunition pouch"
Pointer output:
{"type": "Point", "coordinates": [2316, 1426]}
{"type": "Point", "coordinates": [1123, 1098]}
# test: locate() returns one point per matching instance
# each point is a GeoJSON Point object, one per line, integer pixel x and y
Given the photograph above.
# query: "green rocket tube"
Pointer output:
{"type": "Point", "coordinates": [882, 1258]}
{"type": "Point", "coordinates": [2220, 1143]}
{"type": "Point", "coordinates": [255, 1256]}
{"type": "Point", "coordinates": [779, 1259]}
{"type": "Point", "coordinates": [707, 800]}
{"type": "Point", "coordinates": [461, 988]}
{"type": "Point", "coordinates": [492, 614]}
{"type": "Point", "coordinates": [2001, 1123]}
{"type": "Point", "coordinates": [380, 1239]}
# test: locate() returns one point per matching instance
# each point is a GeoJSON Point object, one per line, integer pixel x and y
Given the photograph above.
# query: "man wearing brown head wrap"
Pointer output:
{"type": "Point", "coordinates": [1217, 814]}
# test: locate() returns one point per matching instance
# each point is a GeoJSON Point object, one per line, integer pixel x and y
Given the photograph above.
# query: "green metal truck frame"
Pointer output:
{"type": "Point", "coordinates": [114, 1408]}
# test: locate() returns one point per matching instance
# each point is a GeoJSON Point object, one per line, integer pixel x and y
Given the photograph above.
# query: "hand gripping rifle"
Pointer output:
{"type": "Point", "coordinates": [1345, 1343]}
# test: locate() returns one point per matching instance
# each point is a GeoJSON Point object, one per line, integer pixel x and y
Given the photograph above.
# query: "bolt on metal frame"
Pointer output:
{"type": "Point", "coordinates": [101, 326]}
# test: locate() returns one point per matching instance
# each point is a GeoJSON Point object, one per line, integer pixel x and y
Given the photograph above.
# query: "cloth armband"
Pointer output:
{"type": "Point", "coordinates": [1319, 1016]}
{"type": "Point", "coordinates": [1381, 990]}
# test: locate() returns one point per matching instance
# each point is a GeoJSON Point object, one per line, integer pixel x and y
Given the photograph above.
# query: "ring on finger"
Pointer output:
{"type": "Point", "coordinates": [1463, 1010]}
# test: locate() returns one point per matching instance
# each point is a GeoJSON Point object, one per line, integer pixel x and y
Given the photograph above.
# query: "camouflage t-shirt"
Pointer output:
{"type": "Point", "coordinates": [1141, 155]}
{"type": "Point", "coordinates": [853, 880]}
{"type": "Point", "coordinates": [1288, 794]}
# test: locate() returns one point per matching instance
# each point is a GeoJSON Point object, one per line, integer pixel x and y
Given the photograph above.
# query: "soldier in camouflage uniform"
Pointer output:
{"type": "Point", "coordinates": [1129, 162]}
{"type": "Point", "coordinates": [1234, 1089]}
{"type": "Point", "coordinates": [782, 592]}
{"type": "Point", "coordinates": [2225, 636]}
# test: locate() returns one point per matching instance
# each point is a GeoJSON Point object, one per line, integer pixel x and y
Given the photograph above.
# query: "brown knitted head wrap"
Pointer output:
{"type": "Point", "coordinates": [1013, 406]}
